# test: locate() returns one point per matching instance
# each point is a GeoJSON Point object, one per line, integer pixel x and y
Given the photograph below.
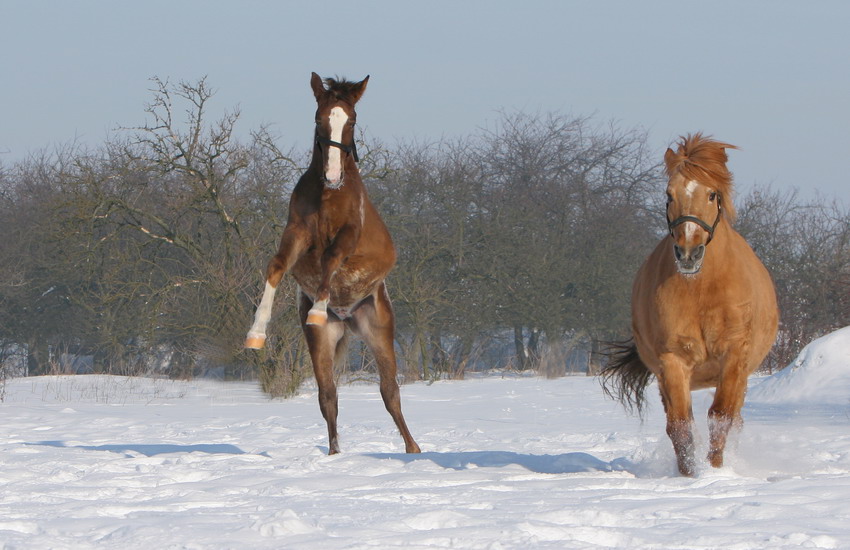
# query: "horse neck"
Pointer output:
{"type": "Point", "coordinates": [724, 234]}
{"type": "Point", "coordinates": [316, 160]}
{"type": "Point", "coordinates": [720, 253]}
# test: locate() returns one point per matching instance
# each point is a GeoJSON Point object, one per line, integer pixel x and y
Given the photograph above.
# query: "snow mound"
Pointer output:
{"type": "Point", "coordinates": [820, 375]}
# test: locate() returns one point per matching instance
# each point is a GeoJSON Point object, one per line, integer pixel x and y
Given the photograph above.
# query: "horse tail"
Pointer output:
{"type": "Point", "coordinates": [625, 377]}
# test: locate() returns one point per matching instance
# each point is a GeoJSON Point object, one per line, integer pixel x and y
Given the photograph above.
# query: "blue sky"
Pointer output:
{"type": "Point", "coordinates": [772, 77]}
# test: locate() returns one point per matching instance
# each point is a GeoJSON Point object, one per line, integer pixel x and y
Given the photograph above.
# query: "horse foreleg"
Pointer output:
{"type": "Point", "coordinates": [256, 338]}
{"type": "Point", "coordinates": [374, 321]}
{"type": "Point", "coordinates": [676, 396]}
{"type": "Point", "coordinates": [343, 245]}
{"type": "Point", "coordinates": [292, 244]}
{"type": "Point", "coordinates": [725, 412]}
{"type": "Point", "coordinates": [322, 342]}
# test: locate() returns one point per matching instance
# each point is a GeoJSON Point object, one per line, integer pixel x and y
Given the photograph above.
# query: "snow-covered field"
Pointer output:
{"type": "Point", "coordinates": [508, 462]}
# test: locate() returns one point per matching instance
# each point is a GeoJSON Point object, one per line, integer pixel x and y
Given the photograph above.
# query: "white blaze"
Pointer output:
{"type": "Point", "coordinates": [690, 227]}
{"type": "Point", "coordinates": [338, 118]}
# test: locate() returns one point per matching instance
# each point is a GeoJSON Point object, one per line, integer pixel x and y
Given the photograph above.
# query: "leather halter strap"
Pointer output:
{"type": "Point", "coordinates": [350, 149]}
{"type": "Point", "coordinates": [709, 228]}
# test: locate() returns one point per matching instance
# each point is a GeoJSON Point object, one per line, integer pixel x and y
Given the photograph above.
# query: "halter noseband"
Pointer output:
{"type": "Point", "coordinates": [709, 228]}
{"type": "Point", "coordinates": [350, 149]}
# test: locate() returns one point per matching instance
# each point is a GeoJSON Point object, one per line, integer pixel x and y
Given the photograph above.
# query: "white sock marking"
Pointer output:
{"type": "Point", "coordinates": [264, 313]}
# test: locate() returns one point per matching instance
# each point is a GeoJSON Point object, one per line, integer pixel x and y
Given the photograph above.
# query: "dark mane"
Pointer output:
{"type": "Point", "coordinates": [704, 159]}
{"type": "Point", "coordinates": [341, 88]}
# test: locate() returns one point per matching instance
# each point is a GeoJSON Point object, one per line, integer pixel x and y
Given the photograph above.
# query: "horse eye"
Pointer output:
{"type": "Point", "coordinates": [669, 198]}
{"type": "Point", "coordinates": [712, 196]}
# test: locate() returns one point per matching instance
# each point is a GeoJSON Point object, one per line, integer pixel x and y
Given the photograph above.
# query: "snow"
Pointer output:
{"type": "Point", "coordinates": [510, 462]}
{"type": "Point", "coordinates": [820, 375]}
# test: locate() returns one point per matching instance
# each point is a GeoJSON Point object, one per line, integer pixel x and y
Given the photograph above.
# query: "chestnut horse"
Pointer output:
{"type": "Point", "coordinates": [704, 308]}
{"type": "Point", "coordinates": [339, 251]}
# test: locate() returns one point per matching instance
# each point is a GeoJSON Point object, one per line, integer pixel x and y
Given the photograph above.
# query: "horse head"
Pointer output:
{"type": "Point", "coordinates": [698, 192]}
{"type": "Point", "coordinates": [335, 120]}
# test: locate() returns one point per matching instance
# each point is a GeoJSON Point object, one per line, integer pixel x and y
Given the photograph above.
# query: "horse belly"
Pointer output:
{"type": "Point", "coordinates": [349, 285]}
{"type": "Point", "coordinates": [707, 375]}
{"type": "Point", "coordinates": [352, 284]}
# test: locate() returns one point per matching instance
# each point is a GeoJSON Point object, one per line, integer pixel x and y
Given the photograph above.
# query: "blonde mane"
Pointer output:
{"type": "Point", "coordinates": [704, 160]}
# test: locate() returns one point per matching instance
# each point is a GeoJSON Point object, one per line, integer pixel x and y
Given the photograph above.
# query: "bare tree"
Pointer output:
{"type": "Point", "coordinates": [806, 247]}
{"type": "Point", "coordinates": [517, 246]}
{"type": "Point", "coordinates": [565, 226]}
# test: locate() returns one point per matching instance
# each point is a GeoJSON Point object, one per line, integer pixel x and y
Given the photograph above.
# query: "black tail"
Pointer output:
{"type": "Point", "coordinates": [625, 377]}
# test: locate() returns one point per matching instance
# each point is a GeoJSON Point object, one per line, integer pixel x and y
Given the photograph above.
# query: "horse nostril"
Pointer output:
{"type": "Point", "coordinates": [698, 252]}
{"type": "Point", "coordinates": [677, 251]}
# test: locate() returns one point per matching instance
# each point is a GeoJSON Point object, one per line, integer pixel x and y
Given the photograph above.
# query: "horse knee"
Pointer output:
{"type": "Point", "coordinates": [275, 270]}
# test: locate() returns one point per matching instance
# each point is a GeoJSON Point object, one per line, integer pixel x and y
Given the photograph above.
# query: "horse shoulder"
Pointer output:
{"type": "Point", "coordinates": [765, 310]}
{"type": "Point", "coordinates": [739, 309]}
{"type": "Point", "coordinates": [376, 240]}
{"type": "Point", "coordinates": [747, 275]}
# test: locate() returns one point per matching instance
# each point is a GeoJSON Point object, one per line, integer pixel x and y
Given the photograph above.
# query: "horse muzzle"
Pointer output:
{"type": "Point", "coordinates": [333, 182]}
{"type": "Point", "coordinates": [689, 258]}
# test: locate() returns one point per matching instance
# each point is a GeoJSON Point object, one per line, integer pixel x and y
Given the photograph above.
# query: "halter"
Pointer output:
{"type": "Point", "coordinates": [350, 149]}
{"type": "Point", "coordinates": [709, 228]}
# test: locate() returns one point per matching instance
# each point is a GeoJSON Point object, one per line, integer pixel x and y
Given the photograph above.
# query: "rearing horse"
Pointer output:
{"type": "Point", "coordinates": [704, 308]}
{"type": "Point", "coordinates": [339, 251]}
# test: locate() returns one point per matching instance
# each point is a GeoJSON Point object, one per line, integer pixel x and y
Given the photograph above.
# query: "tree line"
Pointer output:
{"type": "Point", "coordinates": [517, 247]}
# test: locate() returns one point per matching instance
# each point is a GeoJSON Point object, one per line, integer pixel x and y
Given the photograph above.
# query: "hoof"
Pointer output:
{"type": "Point", "coordinates": [715, 459]}
{"type": "Point", "coordinates": [255, 342]}
{"type": "Point", "coordinates": [317, 318]}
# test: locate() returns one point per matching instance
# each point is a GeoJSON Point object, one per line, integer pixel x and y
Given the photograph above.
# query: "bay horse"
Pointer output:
{"type": "Point", "coordinates": [339, 251]}
{"type": "Point", "coordinates": [704, 310]}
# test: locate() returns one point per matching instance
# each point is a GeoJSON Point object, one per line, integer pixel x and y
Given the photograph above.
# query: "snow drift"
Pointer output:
{"type": "Point", "coordinates": [820, 375]}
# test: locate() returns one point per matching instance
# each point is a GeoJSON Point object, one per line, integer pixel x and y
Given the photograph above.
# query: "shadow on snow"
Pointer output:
{"type": "Point", "coordinates": [150, 449]}
{"type": "Point", "coordinates": [569, 463]}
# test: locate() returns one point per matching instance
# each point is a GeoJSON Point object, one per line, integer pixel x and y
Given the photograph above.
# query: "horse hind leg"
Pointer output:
{"type": "Point", "coordinates": [391, 396]}
{"type": "Point", "coordinates": [324, 345]}
{"type": "Point", "coordinates": [374, 321]}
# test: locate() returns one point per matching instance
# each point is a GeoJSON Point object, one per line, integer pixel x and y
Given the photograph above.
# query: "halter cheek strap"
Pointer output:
{"type": "Point", "coordinates": [350, 149]}
{"type": "Point", "coordinates": [709, 228]}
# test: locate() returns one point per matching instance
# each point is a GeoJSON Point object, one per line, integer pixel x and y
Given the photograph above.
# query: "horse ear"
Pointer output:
{"type": "Point", "coordinates": [669, 158]}
{"type": "Point", "coordinates": [317, 85]}
{"type": "Point", "coordinates": [358, 89]}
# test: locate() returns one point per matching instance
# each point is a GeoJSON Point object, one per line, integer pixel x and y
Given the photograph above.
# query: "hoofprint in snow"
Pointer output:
{"type": "Point", "coordinates": [508, 462]}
